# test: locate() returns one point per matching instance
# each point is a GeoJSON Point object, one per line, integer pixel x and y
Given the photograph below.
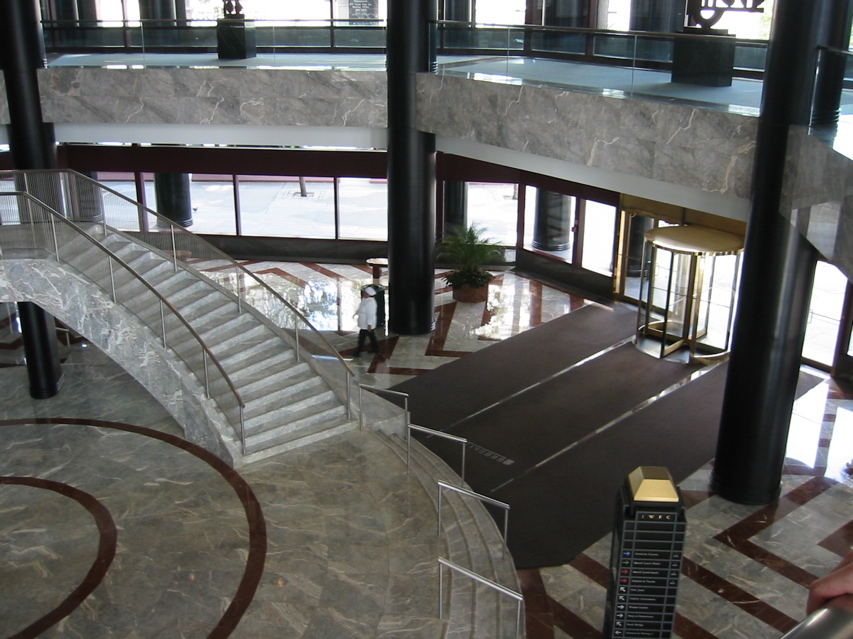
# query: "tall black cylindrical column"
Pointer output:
{"type": "Point", "coordinates": [552, 227]}
{"type": "Point", "coordinates": [32, 145]}
{"type": "Point", "coordinates": [87, 11]}
{"type": "Point", "coordinates": [664, 16]}
{"type": "Point", "coordinates": [40, 345]}
{"type": "Point", "coordinates": [830, 77]}
{"type": "Point", "coordinates": [459, 10]}
{"type": "Point", "coordinates": [778, 270]}
{"type": "Point", "coordinates": [455, 205]}
{"type": "Point", "coordinates": [411, 173]}
{"type": "Point", "coordinates": [22, 53]}
{"type": "Point", "coordinates": [173, 197]}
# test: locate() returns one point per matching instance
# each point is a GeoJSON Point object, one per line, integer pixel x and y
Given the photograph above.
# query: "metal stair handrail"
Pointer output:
{"type": "Point", "coordinates": [509, 592]}
{"type": "Point", "coordinates": [54, 248]}
{"type": "Point", "coordinates": [80, 192]}
{"type": "Point", "coordinates": [443, 485]}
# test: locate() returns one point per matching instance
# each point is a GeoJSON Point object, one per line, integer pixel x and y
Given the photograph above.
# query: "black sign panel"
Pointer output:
{"type": "Point", "coordinates": [645, 565]}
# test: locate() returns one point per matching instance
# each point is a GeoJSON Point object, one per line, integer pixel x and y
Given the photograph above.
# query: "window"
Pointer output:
{"type": "Point", "coordinates": [363, 207]}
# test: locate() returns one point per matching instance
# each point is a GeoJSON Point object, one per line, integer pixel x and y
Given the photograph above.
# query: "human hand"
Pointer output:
{"type": "Point", "coordinates": [839, 581]}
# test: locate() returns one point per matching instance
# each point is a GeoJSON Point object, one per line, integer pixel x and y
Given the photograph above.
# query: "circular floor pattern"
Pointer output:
{"type": "Point", "coordinates": [181, 536]}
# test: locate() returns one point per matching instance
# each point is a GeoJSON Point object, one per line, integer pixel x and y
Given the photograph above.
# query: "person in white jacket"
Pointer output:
{"type": "Point", "coordinates": [366, 316]}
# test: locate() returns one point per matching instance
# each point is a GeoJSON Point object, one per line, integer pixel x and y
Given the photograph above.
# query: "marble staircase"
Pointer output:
{"type": "Point", "coordinates": [286, 404]}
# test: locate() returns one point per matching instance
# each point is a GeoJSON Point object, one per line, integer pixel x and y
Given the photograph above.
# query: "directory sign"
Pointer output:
{"type": "Point", "coordinates": [645, 564]}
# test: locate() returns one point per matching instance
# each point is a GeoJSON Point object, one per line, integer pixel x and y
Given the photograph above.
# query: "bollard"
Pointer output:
{"type": "Point", "coordinates": [645, 557]}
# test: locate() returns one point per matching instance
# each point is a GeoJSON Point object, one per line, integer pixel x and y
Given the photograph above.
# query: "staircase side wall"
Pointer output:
{"type": "Point", "coordinates": [86, 308]}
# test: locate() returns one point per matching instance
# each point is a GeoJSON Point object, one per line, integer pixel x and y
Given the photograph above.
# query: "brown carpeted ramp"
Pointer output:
{"type": "Point", "coordinates": [561, 508]}
{"type": "Point", "coordinates": [510, 438]}
{"type": "Point", "coordinates": [454, 391]}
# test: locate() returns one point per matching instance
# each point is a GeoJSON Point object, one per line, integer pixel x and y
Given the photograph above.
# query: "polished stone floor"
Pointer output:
{"type": "Point", "coordinates": [111, 517]}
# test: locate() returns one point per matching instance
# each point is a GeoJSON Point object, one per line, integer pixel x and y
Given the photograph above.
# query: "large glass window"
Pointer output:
{"type": "Point", "coordinates": [504, 12]}
{"type": "Point", "coordinates": [363, 208]}
{"type": "Point", "coordinates": [598, 237]}
{"type": "Point", "coordinates": [825, 309]}
{"type": "Point", "coordinates": [494, 208]}
{"type": "Point", "coordinates": [288, 207]}
{"type": "Point", "coordinates": [212, 199]}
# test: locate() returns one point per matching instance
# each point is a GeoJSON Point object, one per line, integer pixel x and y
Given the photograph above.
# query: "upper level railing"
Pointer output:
{"type": "Point", "coordinates": [81, 199]}
{"type": "Point", "coordinates": [636, 49]}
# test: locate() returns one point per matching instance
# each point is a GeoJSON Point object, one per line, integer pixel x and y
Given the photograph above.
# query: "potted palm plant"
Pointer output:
{"type": "Point", "coordinates": [469, 251]}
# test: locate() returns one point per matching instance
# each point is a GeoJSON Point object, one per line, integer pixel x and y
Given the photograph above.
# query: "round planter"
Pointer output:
{"type": "Point", "coordinates": [466, 293]}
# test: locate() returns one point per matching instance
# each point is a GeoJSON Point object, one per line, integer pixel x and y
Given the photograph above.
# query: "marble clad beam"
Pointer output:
{"type": "Point", "coordinates": [272, 97]}
{"type": "Point", "coordinates": [702, 149]}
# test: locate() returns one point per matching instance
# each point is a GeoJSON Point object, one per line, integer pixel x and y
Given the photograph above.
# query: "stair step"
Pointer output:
{"type": "Point", "coordinates": [295, 440]}
{"type": "Point", "coordinates": [295, 415]}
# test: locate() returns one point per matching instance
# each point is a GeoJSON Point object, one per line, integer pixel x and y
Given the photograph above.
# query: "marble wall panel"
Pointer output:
{"type": "Point", "coordinates": [691, 147]}
{"type": "Point", "coordinates": [817, 197]}
{"type": "Point", "coordinates": [271, 97]}
{"type": "Point", "coordinates": [84, 307]}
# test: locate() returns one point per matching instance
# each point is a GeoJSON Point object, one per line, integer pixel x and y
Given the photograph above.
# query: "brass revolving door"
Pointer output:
{"type": "Point", "coordinates": [688, 290]}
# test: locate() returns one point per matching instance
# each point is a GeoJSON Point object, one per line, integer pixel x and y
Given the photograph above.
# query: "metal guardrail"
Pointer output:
{"type": "Point", "coordinates": [437, 433]}
{"type": "Point", "coordinates": [480, 579]}
{"type": "Point", "coordinates": [381, 391]}
{"type": "Point", "coordinates": [483, 498]}
{"type": "Point", "coordinates": [833, 621]}
{"type": "Point", "coordinates": [39, 217]}
{"type": "Point", "coordinates": [80, 198]}
{"type": "Point", "coordinates": [442, 485]}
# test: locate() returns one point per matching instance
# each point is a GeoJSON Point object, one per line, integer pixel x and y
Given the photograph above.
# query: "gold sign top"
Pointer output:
{"type": "Point", "coordinates": [652, 483]}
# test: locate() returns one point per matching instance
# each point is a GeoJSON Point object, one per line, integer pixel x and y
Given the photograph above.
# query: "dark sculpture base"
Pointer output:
{"type": "Point", "coordinates": [708, 61]}
{"type": "Point", "coordinates": [235, 39]}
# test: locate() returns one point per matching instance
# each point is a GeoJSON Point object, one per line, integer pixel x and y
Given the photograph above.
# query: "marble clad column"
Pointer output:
{"type": "Point", "coordinates": [32, 144]}
{"type": "Point", "coordinates": [778, 271]}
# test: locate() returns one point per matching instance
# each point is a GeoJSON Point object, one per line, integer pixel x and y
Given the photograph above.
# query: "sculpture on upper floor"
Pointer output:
{"type": "Point", "coordinates": [232, 8]}
{"type": "Point", "coordinates": [706, 13]}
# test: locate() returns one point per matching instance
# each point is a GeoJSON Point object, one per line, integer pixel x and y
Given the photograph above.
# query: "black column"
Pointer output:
{"type": "Point", "coordinates": [778, 270]}
{"type": "Point", "coordinates": [664, 16]}
{"type": "Point", "coordinates": [830, 77]}
{"type": "Point", "coordinates": [455, 205]}
{"type": "Point", "coordinates": [173, 197]}
{"type": "Point", "coordinates": [32, 145]}
{"type": "Point", "coordinates": [552, 227]}
{"type": "Point", "coordinates": [567, 13]}
{"type": "Point", "coordinates": [41, 349]}
{"type": "Point", "coordinates": [411, 173]}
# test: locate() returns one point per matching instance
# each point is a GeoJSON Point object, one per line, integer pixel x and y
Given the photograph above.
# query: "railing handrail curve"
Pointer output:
{"type": "Point", "coordinates": [80, 232]}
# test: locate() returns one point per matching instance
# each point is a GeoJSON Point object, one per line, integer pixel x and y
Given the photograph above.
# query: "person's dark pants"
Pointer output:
{"type": "Point", "coordinates": [373, 343]}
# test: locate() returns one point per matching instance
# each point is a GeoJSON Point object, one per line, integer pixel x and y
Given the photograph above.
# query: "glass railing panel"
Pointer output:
{"type": "Point", "coordinates": [751, 56]}
{"type": "Point", "coordinates": [296, 35]}
{"type": "Point", "coordinates": [558, 42]}
{"type": "Point", "coordinates": [359, 34]}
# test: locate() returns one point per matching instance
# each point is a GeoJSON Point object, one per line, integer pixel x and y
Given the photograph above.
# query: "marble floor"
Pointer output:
{"type": "Point", "coordinates": [167, 542]}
